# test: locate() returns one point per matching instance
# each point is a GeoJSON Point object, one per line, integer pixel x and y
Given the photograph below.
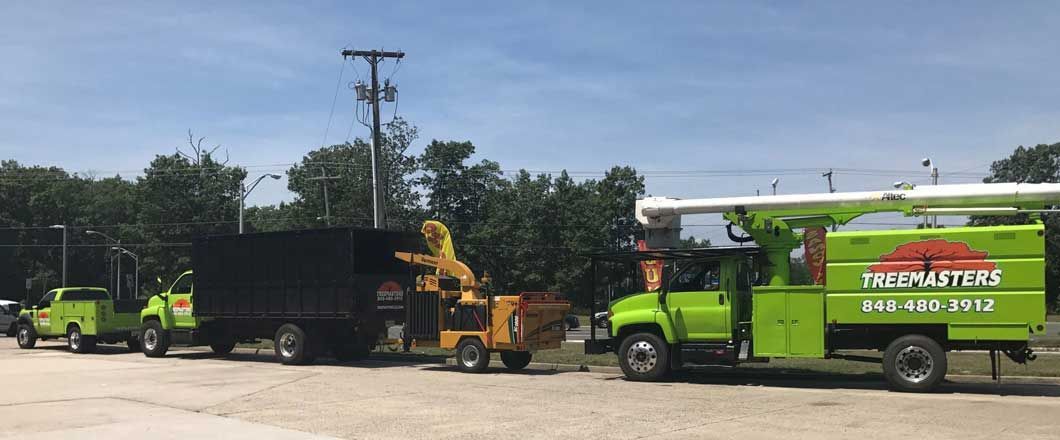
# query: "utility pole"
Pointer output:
{"type": "Point", "coordinates": [373, 57]}
{"type": "Point", "coordinates": [831, 189]}
{"type": "Point", "coordinates": [324, 178]}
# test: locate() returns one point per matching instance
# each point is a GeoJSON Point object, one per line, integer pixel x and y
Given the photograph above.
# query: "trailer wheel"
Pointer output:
{"type": "Point", "coordinates": [516, 360]}
{"type": "Point", "coordinates": [914, 363]}
{"type": "Point", "coordinates": [12, 330]}
{"type": "Point", "coordinates": [471, 356]}
{"type": "Point", "coordinates": [291, 346]}
{"type": "Point", "coordinates": [78, 341]}
{"type": "Point", "coordinates": [133, 344]}
{"type": "Point", "coordinates": [644, 357]}
{"type": "Point", "coordinates": [154, 340]}
{"type": "Point", "coordinates": [27, 336]}
{"type": "Point", "coordinates": [223, 347]}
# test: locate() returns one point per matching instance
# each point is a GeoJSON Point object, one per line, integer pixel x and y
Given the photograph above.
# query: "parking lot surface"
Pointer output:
{"type": "Point", "coordinates": [52, 394]}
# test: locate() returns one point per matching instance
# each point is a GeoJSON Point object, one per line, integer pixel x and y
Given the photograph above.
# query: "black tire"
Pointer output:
{"type": "Point", "coordinates": [223, 346]}
{"type": "Point", "coordinates": [350, 352]}
{"type": "Point", "coordinates": [133, 344]}
{"type": "Point", "coordinates": [516, 360]}
{"type": "Point", "coordinates": [12, 330]}
{"type": "Point", "coordinates": [154, 340]}
{"type": "Point", "coordinates": [644, 357]}
{"type": "Point", "coordinates": [27, 336]}
{"type": "Point", "coordinates": [78, 341]}
{"type": "Point", "coordinates": [471, 356]}
{"type": "Point", "coordinates": [291, 346]}
{"type": "Point", "coordinates": [914, 363]}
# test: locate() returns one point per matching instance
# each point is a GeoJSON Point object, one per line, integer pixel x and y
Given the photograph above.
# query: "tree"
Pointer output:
{"type": "Point", "coordinates": [456, 193]}
{"type": "Point", "coordinates": [1040, 164]}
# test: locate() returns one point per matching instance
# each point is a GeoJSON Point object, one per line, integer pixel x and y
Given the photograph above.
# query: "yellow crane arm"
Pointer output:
{"type": "Point", "coordinates": [458, 269]}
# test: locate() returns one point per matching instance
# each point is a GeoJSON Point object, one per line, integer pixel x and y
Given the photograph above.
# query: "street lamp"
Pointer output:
{"type": "Point", "coordinates": [137, 260]}
{"type": "Point", "coordinates": [111, 240]}
{"type": "Point", "coordinates": [244, 191]}
{"type": "Point", "coordinates": [776, 180]}
{"type": "Point", "coordinates": [63, 227]}
{"type": "Point", "coordinates": [934, 181]}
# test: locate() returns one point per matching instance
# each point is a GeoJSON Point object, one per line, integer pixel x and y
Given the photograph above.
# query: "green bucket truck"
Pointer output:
{"type": "Point", "coordinates": [913, 295]}
{"type": "Point", "coordinates": [84, 316]}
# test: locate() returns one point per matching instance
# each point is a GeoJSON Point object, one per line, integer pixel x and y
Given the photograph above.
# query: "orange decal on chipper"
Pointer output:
{"type": "Point", "coordinates": [932, 264]}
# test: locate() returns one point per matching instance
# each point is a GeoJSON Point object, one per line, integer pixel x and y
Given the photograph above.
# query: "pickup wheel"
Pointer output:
{"type": "Point", "coordinates": [516, 360]}
{"type": "Point", "coordinates": [471, 356]}
{"type": "Point", "coordinates": [78, 341]}
{"type": "Point", "coordinates": [12, 330]}
{"type": "Point", "coordinates": [27, 336]}
{"type": "Point", "coordinates": [291, 345]}
{"type": "Point", "coordinates": [154, 340]}
{"type": "Point", "coordinates": [914, 363]}
{"type": "Point", "coordinates": [644, 357]}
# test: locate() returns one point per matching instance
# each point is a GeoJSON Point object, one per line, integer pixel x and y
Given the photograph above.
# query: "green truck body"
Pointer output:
{"type": "Point", "coordinates": [963, 288]}
{"type": "Point", "coordinates": [82, 315]}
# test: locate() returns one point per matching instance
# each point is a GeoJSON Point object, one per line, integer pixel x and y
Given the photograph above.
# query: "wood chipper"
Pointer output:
{"type": "Point", "coordinates": [450, 309]}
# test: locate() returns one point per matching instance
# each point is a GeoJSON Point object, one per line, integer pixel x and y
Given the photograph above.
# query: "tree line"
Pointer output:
{"type": "Point", "coordinates": [529, 231]}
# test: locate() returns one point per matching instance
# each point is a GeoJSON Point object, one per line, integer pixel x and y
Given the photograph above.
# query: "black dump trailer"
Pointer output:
{"type": "Point", "coordinates": [313, 292]}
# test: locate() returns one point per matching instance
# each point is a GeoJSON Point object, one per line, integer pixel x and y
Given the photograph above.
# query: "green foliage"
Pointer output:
{"type": "Point", "coordinates": [1040, 164]}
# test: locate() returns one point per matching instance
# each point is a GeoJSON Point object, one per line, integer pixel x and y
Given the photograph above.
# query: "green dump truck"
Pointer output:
{"type": "Point", "coordinates": [911, 294]}
{"type": "Point", "coordinates": [85, 316]}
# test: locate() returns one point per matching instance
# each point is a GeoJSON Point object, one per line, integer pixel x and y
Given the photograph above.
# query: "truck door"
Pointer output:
{"type": "Point", "coordinates": [699, 304]}
{"type": "Point", "coordinates": [44, 319]}
{"type": "Point", "coordinates": [181, 302]}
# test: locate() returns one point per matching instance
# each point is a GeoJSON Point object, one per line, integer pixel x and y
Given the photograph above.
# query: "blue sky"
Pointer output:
{"type": "Point", "coordinates": [582, 86]}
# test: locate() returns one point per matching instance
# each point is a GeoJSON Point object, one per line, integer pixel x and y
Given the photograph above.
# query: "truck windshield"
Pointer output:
{"type": "Point", "coordinates": [182, 286]}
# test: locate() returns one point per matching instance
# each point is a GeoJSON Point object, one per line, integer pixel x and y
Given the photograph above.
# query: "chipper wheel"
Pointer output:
{"type": "Point", "coordinates": [914, 363]}
{"type": "Point", "coordinates": [516, 360]}
{"type": "Point", "coordinates": [644, 357]}
{"type": "Point", "coordinates": [471, 356]}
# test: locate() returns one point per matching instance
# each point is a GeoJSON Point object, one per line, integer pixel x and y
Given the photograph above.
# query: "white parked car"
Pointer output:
{"type": "Point", "coordinates": [9, 317]}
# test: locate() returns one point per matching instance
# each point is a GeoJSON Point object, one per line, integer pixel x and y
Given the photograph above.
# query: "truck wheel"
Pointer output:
{"type": "Point", "coordinates": [154, 340]}
{"type": "Point", "coordinates": [516, 360]}
{"type": "Point", "coordinates": [12, 330]}
{"type": "Point", "coordinates": [644, 357]}
{"type": "Point", "coordinates": [133, 344]}
{"type": "Point", "coordinates": [79, 342]}
{"type": "Point", "coordinates": [291, 346]}
{"type": "Point", "coordinates": [914, 363]}
{"type": "Point", "coordinates": [471, 356]}
{"type": "Point", "coordinates": [223, 347]}
{"type": "Point", "coordinates": [27, 336]}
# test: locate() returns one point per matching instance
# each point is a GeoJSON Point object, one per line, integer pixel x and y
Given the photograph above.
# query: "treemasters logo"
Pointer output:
{"type": "Point", "coordinates": [930, 264]}
{"type": "Point", "coordinates": [182, 307]}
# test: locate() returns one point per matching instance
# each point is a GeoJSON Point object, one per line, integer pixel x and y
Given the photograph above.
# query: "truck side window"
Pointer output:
{"type": "Point", "coordinates": [46, 301]}
{"type": "Point", "coordinates": [698, 277]}
{"type": "Point", "coordinates": [182, 286]}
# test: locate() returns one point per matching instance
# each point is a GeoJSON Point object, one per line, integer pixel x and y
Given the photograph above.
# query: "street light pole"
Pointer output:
{"type": "Point", "coordinates": [244, 191]}
{"type": "Point", "coordinates": [135, 258]}
{"type": "Point", "coordinates": [934, 181]}
{"type": "Point", "coordinates": [63, 227]}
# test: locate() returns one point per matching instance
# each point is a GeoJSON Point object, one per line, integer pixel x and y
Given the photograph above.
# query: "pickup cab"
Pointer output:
{"type": "Point", "coordinates": [84, 316]}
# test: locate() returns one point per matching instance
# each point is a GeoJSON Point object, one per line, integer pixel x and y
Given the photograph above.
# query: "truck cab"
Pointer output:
{"type": "Point", "coordinates": [168, 319]}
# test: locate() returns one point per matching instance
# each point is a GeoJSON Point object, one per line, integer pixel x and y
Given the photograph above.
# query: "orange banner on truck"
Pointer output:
{"type": "Point", "coordinates": [652, 270]}
{"type": "Point", "coordinates": [814, 245]}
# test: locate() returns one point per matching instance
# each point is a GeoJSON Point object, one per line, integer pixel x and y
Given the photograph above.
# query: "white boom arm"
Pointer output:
{"type": "Point", "coordinates": [965, 199]}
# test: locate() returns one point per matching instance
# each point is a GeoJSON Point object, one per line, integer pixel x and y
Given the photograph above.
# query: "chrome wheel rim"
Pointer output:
{"type": "Point", "coordinates": [288, 344]}
{"type": "Point", "coordinates": [914, 364]}
{"type": "Point", "coordinates": [150, 339]}
{"type": "Point", "coordinates": [469, 356]}
{"type": "Point", "coordinates": [23, 336]}
{"type": "Point", "coordinates": [75, 339]}
{"type": "Point", "coordinates": [642, 356]}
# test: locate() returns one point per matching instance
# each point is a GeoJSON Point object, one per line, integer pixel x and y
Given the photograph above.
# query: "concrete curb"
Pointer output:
{"type": "Point", "coordinates": [566, 368]}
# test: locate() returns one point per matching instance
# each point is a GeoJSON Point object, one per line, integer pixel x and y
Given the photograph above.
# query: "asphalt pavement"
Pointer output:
{"type": "Point", "coordinates": [50, 393]}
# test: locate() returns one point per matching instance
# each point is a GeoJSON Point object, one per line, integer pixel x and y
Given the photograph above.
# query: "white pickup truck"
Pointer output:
{"type": "Point", "coordinates": [9, 317]}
